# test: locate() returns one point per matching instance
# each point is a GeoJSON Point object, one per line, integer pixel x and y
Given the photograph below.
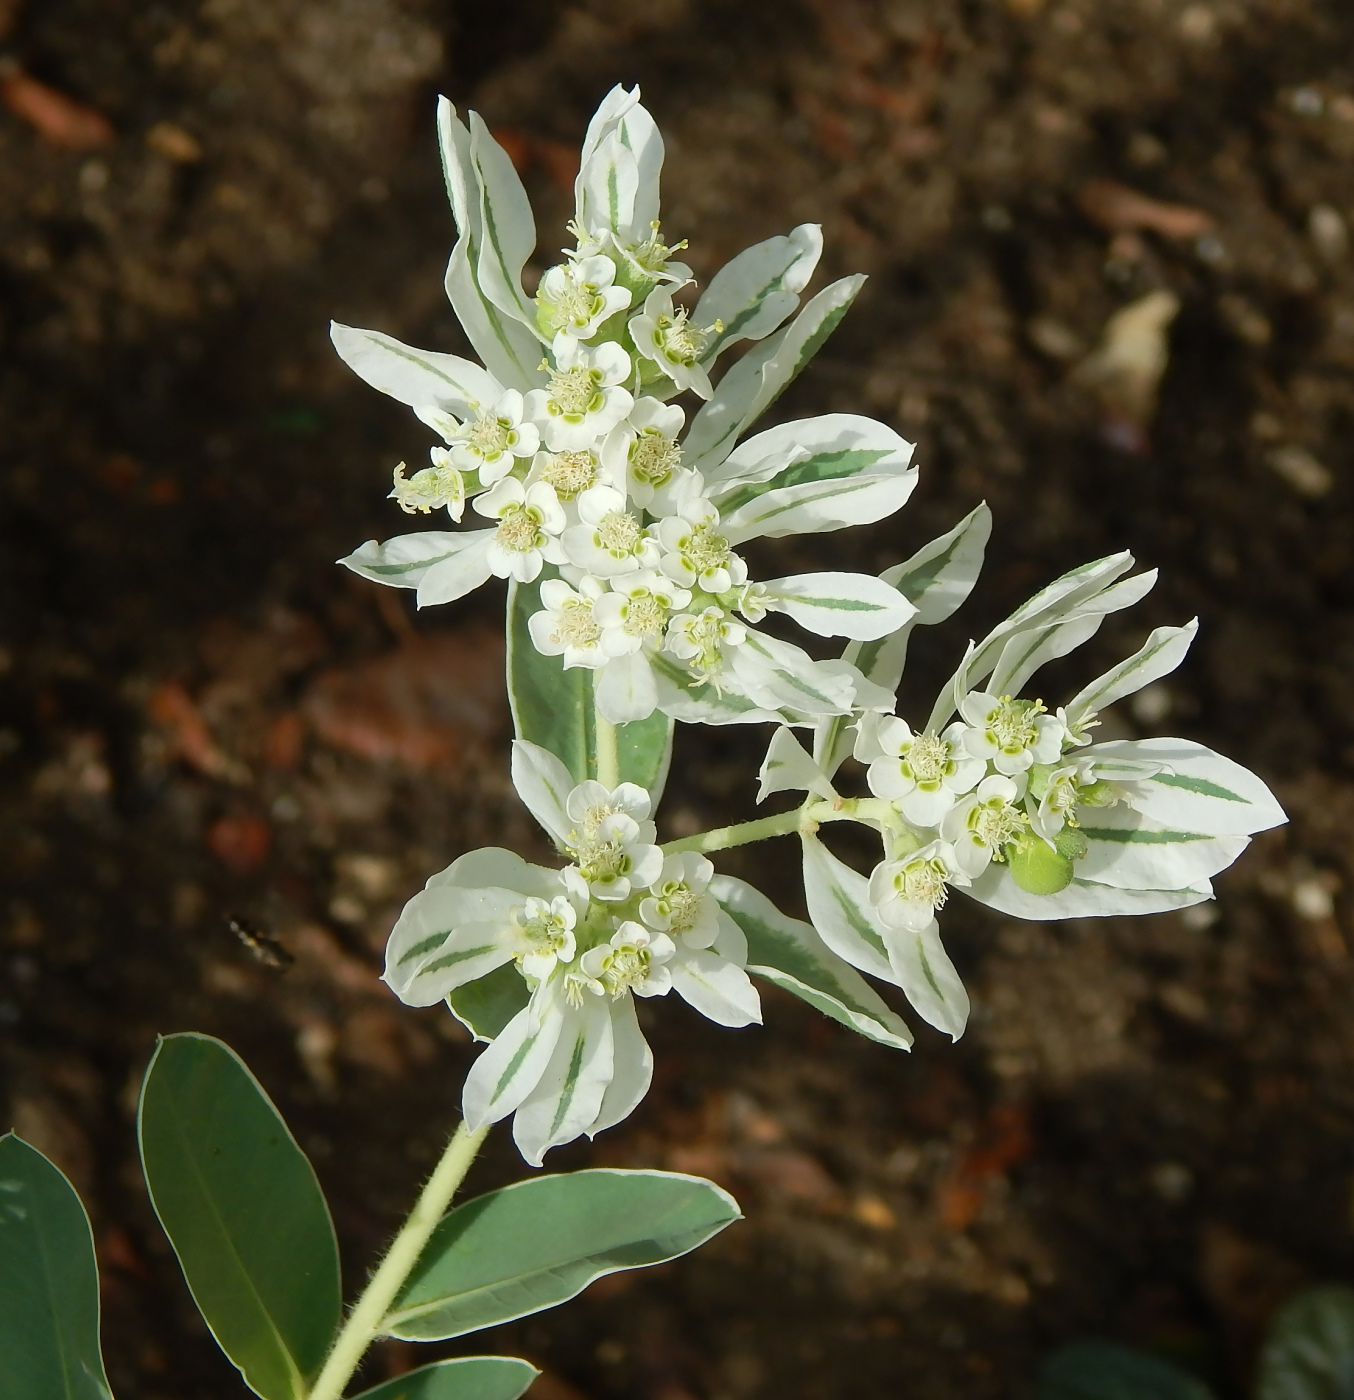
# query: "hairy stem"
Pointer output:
{"type": "Point", "coordinates": [364, 1322]}
{"type": "Point", "coordinates": [608, 752]}
{"type": "Point", "coordinates": [805, 819]}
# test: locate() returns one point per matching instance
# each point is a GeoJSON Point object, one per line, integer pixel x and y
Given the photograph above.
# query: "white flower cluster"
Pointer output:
{"type": "Point", "coordinates": [630, 527]}
{"type": "Point", "coordinates": [620, 921]}
{"type": "Point", "coordinates": [620, 526]}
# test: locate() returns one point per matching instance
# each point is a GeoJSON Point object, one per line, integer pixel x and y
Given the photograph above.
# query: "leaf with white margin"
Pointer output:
{"type": "Point", "coordinates": [922, 968]}
{"type": "Point", "coordinates": [936, 580]}
{"type": "Point", "coordinates": [753, 293]}
{"type": "Point", "coordinates": [1158, 656]}
{"type": "Point", "coordinates": [619, 167]}
{"type": "Point", "coordinates": [753, 384]}
{"type": "Point", "coordinates": [419, 378]}
{"type": "Point", "coordinates": [1130, 851]}
{"type": "Point", "coordinates": [406, 560]}
{"type": "Point", "coordinates": [1027, 651]}
{"type": "Point", "coordinates": [1194, 787]}
{"type": "Point", "coordinates": [568, 1096]}
{"type": "Point", "coordinates": [702, 704]}
{"type": "Point", "coordinates": [780, 674]}
{"type": "Point", "coordinates": [544, 784]}
{"type": "Point", "coordinates": [858, 606]}
{"type": "Point", "coordinates": [787, 768]}
{"type": "Point", "coordinates": [446, 937]}
{"type": "Point", "coordinates": [811, 507]}
{"type": "Point", "coordinates": [633, 1071]}
{"type": "Point", "coordinates": [511, 350]}
{"type": "Point", "coordinates": [1082, 899]}
{"type": "Point", "coordinates": [839, 905]}
{"type": "Point", "coordinates": [511, 1067]}
{"type": "Point", "coordinates": [507, 229]}
{"type": "Point", "coordinates": [790, 954]}
{"type": "Point", "coordinates": [492, 866]}
{"type": "Point", "coordinates": [1056, 601]}
{"type": "Point", "coordinates": [715, 986]}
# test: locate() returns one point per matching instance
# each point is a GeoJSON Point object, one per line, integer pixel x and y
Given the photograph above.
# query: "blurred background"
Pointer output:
{"type": "Point", "coordinates": [1110, 292]}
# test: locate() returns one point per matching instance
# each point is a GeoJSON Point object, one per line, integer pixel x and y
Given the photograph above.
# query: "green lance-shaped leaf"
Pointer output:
{"type": "Point", "coordinates": [507, 229]}
{"type": "Point", "coordinates": [553, 707]}
{"type": "Point", "coordinates": [244, 1212]}
{"type": "Point", "coordinates": [486, 1005]}
{"type": "Point", "coordinates": [465, 1378]}
{"type": "Point", "coordinates": [1309, 1352]}
{"type": "Point", "coordinates": [789, 953]}
{"type": "Point", "coordinates": [541, 1242]}
{"type": "Point", "coordinates": [753, 293]}
{"type": "Point", "coordinates": [936, 580]}
{"type": "Point", "coordinates": [1104, 1371]}
{"type": "Point", "coordinates": [761, 376]}
{"type": "Point", "coordinates": [49, 1285]}
{"type": "Point", "coordinates": [419, 378]}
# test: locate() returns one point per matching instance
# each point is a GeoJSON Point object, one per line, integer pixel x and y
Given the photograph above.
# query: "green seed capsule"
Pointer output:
{"type": "Point", "coordinates": [1038, 870]}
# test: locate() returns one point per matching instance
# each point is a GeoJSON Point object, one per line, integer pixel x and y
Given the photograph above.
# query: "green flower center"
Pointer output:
{"type": "Point", "coordinates": [644, 616]}
{"type": "Point", "coordinates": [570, 472]}
{"type": "Point", "coordinates": [574, 624]}
{"type": "Point", "coordinates": [654, 458]}
{"type": "Point", "coordinates": [619, 532]}
{"type": "Point", "coordinates": [519, 531]}
{"type": "Point", "coordinates": [927, 758]}
{"type": "Point", "coordinates": [492, 436]}
{"type": "Point", "coordinates": [575, 392]}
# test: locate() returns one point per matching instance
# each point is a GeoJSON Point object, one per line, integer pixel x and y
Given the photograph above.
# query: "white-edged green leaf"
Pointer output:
{"type": "Point", "coordinates": [540, 1242]}
{"type": "Point", "coordinates": [462, 1378]}
{"type": "Point", "coordinates": [507, 229]}
{"type": "Point", "coordinates": [543, 782]}
{"type": "Point", "coordinates": [754, 292]}
{"type": "Point", "coordinates": [1158, 656]}
{"type": "Point", "coordinates": [811, 507]}
{"type": "Point", "coordinates": [789, 953]}
{"type": "Point", "coordinates": [922, 968]}
{"type": "Point", "coordinates": [1082, 899]}
{"type": "Point", "coordinates": [442, 565]}
{"type": "Point", "coordinates": [445, 937]}
{"type": "Point", "coordinates": [839, 905]}
{"type": "Point", "coordinates": [936, 580]}
{"type": "Point", "coordinates": [1059, 600]}
{"type": "Point", "coordinates": [49, 1283]}
{"type": "Point", "coordinates": [680, 698]}
{"type": "Point", "coordinates": [1131, 851]}
{"type": "Point", "coordinates": [1194, 788]}
{"type": "Point", "coordinates": [511, 350]}
{"type": "Point", "coordinates": [1027, 650]}
{"type": "Point", "coordinates": [781, 675]}
{"type": "Point", "coordinates": [619, 168]}
{"type": "Point", "coordinates": [420, 378]}
{"type": "Point", "coordinates": [787, 768]}
{"type": "Point", "coordinates": [567, 1096]}
{"type": "Point", "coordinates": [486, 1005]}
{"type": "Point", "coordinates": [553, 707]}
{"type": "Point", "coordinates": [511, 1067]}
{"type": "Point", "coordinates": [830, 447]}
{"type": "Point", "coordinates": [753, 384]}
{"type": "Point", "coordinates": [858, 606]}
{"type": "Point", "coordinates": [1309, 1352]}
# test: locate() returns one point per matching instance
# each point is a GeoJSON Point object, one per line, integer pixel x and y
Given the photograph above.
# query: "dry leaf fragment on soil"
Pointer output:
{"type": "Point", "coordinates": [1119, 209]}
{"type": "Point", "coordinates": [424, 704]}
{"type": "Point", "coordinates": [1124, 371]}
{"type": "Point", "coordinates": [59, 119]}
{"type": "Point", "coordinates": [1006, 1142]}
{"type": "Point", "coordinates": [175, 710]}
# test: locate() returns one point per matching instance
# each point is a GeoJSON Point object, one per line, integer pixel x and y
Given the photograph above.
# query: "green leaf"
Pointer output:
{"type": "Point", "coordinates": [1103, 1371]}
{"type": "Point", "coordinates": [465, 1378]}
{"type": "Point", "coordinates": [553, 707]}
{"type": "Point", "coordinates": [487, 1005]}
{"type": "Point", "coordinates": [49, 1285]}
{"type": "Point", "coordinates": [541, 1242]}
{"type": "Point", "coordinates": [244, 1212]}
{"type": "Point", "coordinates": [752, 294]}
{"type": "Point", "coordinates": [789, 953]}
{"type": "Point", "coordinates": [1309, 1353]}
{"type": "Point", "coordinates": [506, 227]}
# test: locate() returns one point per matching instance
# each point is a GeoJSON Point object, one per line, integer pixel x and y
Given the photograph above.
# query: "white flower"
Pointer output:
{"type": "Point", "coordinates": [1012, 734]}
{"type": "Point", "coordinates": [694, 552]}
{"type": "Point", "coordinates": [566, 626]}
{"type": "Point", "coordinates": [1053, 796]}
{"type": "Point", "coordinates": [438, 485]}
{"type": "Point", "coordinates": [608, 541]}
{"type": "Point", "coordinates": [643, 453]}
{"type": "Point", "coordinates": [529, 518]}
{"type": "Point", "coordinates": [492, 442]}
{"type": "Point", "coordinates": [702, 639]}
{"type": "Point", "coordinates": [635, 613]}
{"type": "Point", "coordinates": [907, 892]}
{"type": "Point", "coordinates": [665, 337]}
{"type": "Point", "coordinates": [583, 400]}
{"type": "Point", "coordinates": [548, 933]}
{"type": "Point", "coordinates": [924, 774]}
{"type": "Point", "coordinates": [979, 825]}
{"type": "Point", "coordinates": [576, 297]}
{"type": "Point", "coordinates": [634, 960]}
{"type": "Point", "coordinates": [612, 839]}
{"type": "Point", "coordinates": [571, 473]}
{"type": "Point", "coordinates": [679, 901]}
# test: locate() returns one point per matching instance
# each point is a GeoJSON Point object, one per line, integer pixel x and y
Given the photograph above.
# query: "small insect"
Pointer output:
{"type": "Point", "coordinates": [263, 945]}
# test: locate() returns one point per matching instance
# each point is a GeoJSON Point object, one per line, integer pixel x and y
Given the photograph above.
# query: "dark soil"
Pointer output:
{"type": "Point", "coordinates": [1148, 1131]}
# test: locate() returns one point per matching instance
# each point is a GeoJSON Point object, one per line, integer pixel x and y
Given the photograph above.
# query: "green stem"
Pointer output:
{"type": "Point", "coordinates": [805, 819]}
{"type": "Point", "coordinates": [608, 752]}
{"type": "Point", "coordinates": [364, 1323]}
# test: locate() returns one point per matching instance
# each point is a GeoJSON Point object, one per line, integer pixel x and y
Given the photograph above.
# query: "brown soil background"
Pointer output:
{"type": "Point", "coordinates": [1148, 1131]}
